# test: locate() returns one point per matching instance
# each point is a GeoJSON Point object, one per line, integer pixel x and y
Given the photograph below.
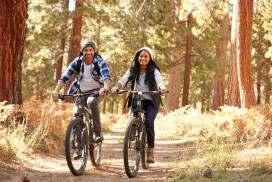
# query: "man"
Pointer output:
{"type": "Point", "coordinates": [93, 74]}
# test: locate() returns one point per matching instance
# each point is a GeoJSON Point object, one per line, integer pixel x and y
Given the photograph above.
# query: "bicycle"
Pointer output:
{"type": "Point", "coordinates": [80, 137]}
{"type": "Point", "coordinates": [135, 141]}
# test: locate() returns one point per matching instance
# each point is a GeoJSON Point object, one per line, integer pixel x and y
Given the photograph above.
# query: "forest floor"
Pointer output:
{"type": "Point", "coordinates": [199, 153]}
{"type": "Point", "coordinates": [51, 166]}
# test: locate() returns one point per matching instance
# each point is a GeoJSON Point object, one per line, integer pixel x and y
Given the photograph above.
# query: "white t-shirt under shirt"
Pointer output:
{"type": "Point", "coordinates": [87, 82]}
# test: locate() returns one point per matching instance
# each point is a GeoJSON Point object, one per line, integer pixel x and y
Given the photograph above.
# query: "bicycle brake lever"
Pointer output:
{"type": "Point", "coordinates": [61, 97]}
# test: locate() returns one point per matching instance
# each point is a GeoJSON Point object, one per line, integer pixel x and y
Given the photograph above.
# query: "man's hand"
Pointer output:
{"type": "Point", "coordinates": [55, 96]}
{"type": "Point", "coordinates": [103, 91]}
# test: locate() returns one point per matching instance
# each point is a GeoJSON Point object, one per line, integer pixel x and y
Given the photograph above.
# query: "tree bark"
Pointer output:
{"type": "Point", "coordinates": [187, 73]}
{"type": "Point", "coordinates": [267, 83]}
{"type": "Point", "coordinates": [124, 108]}
{"type": "Point", "coordinates": [12, 31]}
{"type": "Point", "coordinates": [258, 84]}
{"type": "Point", "coordinates": [174, 87]}
{"type": "Point", "coordinates": [172, 99]}
{"type": "Point", "coordinates": [241, 92]}
{"type": "Point", "coordinates": [75, 39]}
{"type": "Point", "coordinates": [59, 61]}
{"type": "Point", "coordinates": [221, 54]}
{"type": "Point", "coordinates": [244, 42]}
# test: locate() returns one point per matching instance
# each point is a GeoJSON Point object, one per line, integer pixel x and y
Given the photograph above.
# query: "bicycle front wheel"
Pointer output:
{"type": "Point", "coordinates": [132, 155]}
{"type": "Point", "coordinates": [145, 165]}
{"type": "Point", "coordinates": [95, 149]}
{"type": "Point", "coordinates": [75, 147]}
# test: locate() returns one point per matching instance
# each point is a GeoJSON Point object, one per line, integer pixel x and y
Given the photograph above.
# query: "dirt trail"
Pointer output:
{"type": "Point", "coordinates": [48, 167]}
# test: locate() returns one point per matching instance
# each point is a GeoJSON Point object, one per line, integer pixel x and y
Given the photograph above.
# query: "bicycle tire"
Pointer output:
{"type": "Point", "coordinates": [131, 154]}
{"type": "Point", "coordinates": [145, 165]}
{"type": "Point", "coordinates": [75, 133]}
{"type": "Point", "coordinates": [95, 149]}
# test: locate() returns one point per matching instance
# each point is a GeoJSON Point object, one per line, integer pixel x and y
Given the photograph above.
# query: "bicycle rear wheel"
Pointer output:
{"type": "Point", "coordinates": [145, 165]}
{"type": "Point", "coordinates": [95, 149]}
{"type": "Point", "coordinates": [75, 147]}
{"type": "Point", "coordinates": [132, 155]}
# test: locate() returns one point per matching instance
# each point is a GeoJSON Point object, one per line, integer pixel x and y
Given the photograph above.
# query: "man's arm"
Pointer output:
{"type": "Point", "coordinates": [55, 93]}
{"type": "Point", "coordinates": [107, 84]}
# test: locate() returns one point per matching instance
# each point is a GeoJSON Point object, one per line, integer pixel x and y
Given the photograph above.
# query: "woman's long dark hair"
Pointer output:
{"type": "Point", "coordinates": [135, 66]}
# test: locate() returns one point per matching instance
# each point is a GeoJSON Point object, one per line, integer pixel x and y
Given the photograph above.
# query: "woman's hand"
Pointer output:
{"type": "Point", "coordinates": [163, 89]}
{"type": "Point", "coordinates": [114, 90]}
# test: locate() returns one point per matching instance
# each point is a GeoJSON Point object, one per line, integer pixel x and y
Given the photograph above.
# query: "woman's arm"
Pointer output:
{"type": "Point", "coordinates": [159, 81]}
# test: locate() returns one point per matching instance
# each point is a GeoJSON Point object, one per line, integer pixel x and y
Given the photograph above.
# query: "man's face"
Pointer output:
{"type": "Point", "coordinates": [88, 53]}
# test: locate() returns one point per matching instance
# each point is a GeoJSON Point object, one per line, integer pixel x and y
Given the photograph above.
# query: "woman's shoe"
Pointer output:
{"type": "Point", "coordinates": [150, 155]}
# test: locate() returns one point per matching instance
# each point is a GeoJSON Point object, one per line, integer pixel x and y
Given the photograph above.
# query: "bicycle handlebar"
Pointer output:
{"type": "Point", "coordinates": [93, 93]}
{"type": "Point", "coordinates": [140, 92]}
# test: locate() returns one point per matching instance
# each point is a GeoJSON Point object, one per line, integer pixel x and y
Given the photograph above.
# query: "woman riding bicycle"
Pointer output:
{"type": "Point", "coordinates": [144, 75]}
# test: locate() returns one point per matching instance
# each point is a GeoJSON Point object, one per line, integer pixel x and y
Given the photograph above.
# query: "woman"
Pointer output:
{"type": "Point", "coordinates": [144, 75]}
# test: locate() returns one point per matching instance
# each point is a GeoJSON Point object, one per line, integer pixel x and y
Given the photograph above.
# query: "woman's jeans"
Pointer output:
{"type": "Point", "coordinates": [150, 115]}
{"type": "Point", "coordinates": [92, 103]}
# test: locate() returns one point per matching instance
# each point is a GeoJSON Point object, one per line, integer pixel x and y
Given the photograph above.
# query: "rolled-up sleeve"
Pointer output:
{"type": "Point", "coordinates": [105, 71]}
{"type": "Point", "coordinates": [158, 78]}
{"type": "Point", "coordinates": [69, 72]}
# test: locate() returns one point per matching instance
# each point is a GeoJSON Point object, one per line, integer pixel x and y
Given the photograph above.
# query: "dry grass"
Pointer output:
{"type": "Point", "coordinates": [230, 144]}
{"type": "Point", "coordinates": [235, 124]}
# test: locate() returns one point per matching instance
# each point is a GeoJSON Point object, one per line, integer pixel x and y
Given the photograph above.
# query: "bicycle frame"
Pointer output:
{"type": "Point", "coordinates": [86, 114]}
{"type": "Point", "coordinates": [133, 156]}
{"type": "Point", "coordinates": [140, 114]}
{"type": "Point", "coordinates": [85, 143]}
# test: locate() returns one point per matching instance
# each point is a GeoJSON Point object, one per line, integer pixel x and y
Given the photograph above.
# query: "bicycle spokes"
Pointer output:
{"type": "Point", "coordinates": [132, 149]}
{"type": "Point", "coordinates": [75, 148]}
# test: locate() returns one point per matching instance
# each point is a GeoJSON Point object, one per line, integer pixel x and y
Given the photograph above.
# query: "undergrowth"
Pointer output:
{"type": "Point", "coordinates": [231, 144]}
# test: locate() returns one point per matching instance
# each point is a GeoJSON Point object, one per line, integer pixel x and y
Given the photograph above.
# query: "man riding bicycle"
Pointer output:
{"type": "Point", "coordinates": [93, 74]}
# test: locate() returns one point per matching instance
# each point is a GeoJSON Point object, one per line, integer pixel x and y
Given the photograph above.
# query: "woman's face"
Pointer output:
{"type": "Point", "coordinates": [144, 58]}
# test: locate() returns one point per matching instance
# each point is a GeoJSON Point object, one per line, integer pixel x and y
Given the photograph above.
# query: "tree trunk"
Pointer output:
{"type": "Point", "coordinates": [258, 84]}
{"type": "Point", "coordinates": [112, 103]}
{"type": "Point", "coordinates": [267, 83]}
{"type": "Point", "coordinates": [240, 92]}
{"type": "Point", "coordinates": [244, 46]}
{"type": "Point", "coordinates": [74, 47]}
{"type": "Point", "coordinates": [12, 30]}
{"type": "Point", "coordinates": [104, 104]}
{"type": "Point", "coordinates": [174, 87]}
{"type": "Point", "coordinates": [187, 74]}
{"type": "Point", "coordinates": [124, 109]}
{"type": "Point", "coordinates": [233, 89]}
{"type": "Point", "coordinates": [172, 99]}
{"type": "Point", "coordinates": [59, 61]}
{"type": "Point", "coordinates": [221, 54]}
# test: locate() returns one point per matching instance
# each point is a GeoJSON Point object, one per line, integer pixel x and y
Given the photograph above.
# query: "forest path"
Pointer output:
{"type": "Point", "coordinates": [49, 167]}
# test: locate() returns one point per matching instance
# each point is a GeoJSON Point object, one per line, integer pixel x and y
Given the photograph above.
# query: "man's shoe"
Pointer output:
{"type": "Point", "coordinates": [98, 138]}
{"type": "Point", "coordinates": [77, 154]}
